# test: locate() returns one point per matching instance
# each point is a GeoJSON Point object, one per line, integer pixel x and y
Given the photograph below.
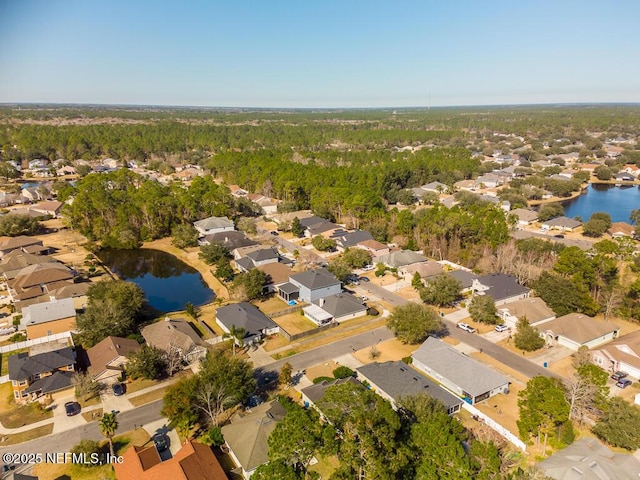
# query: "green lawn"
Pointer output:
{"type": "Point", "coordinates": [13, 415]}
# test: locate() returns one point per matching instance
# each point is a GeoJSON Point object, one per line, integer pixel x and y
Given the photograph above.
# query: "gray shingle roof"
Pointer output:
{"type": "Point", "coordinates": [350, 239]}
{"type": "Point", "coordinates": [312, 220]}
{"type": "Point", "coordinates": [231, 240]}
{"type": "Point", "coordinates": [244, 315]}
{"type": "Point", "coordinates": [588, 459]}
{"type": "Point", "coordinates": [52, 383]}
{"type": "Point", "coordinates": [463, 371]}
{"type": "Point", "coordinates": [397, 379]}
{"type": "Point", "coordinates": [267, 253]}
{"type": "Point", "coordinates": [23, 366]}
{"type": "Point", "coordinates": [465, 278]}
{"type": "Point", "coordinates": [401, 258]}
{"type": "Point", "coordinates": [314, 279]}
{"type": "Point", "coordinates": [342, 304]}
{"type": "Point", "coordinates": [502, 286]}
{"type": "Point", "coordinates": [316, 392]}
{"type": "Point", "coordinates": [48, 311]}
{"type": "Point", "coordinates": [563, 222]}
{"type": "Point", "coordinates": [214, 222]}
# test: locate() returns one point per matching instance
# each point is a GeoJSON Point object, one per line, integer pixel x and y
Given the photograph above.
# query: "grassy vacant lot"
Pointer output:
{"type": "Point", "coordinates": [121, 443]}
{"type": "Point", "coordinates": [13, 415]}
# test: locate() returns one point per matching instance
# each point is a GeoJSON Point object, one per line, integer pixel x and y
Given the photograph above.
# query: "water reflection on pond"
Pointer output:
{"type": "Point", "coordinates": [168, 283]}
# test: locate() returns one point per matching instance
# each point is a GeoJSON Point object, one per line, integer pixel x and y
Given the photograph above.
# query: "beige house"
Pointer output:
{"type": "Point", "coordinates": [175, 335]}
{"type": "Point", "coordinates": [44, 319]}
{"type": "Point", "coordinates": [107, 358]}
{"type": "Point", "coordinates": [535, 310]}
{"type": "Point", "coordinates": [622, 354]}
{"type": "Point", "coordinates": [576, 330]}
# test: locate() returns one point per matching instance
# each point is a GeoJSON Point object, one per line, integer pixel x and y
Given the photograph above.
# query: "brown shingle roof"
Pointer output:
{"type": "Point", "coordinates": [578, 327]}
{"type": "Point", "coordinates": [108, 350]}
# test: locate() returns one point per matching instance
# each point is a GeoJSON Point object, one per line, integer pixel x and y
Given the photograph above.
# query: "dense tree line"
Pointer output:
{"type": "Point", "coordinates": [121, 209]}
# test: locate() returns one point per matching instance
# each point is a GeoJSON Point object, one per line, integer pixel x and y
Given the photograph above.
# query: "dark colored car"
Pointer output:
{"type": "Point", "coordinates": [160, 442]}
{"type": "Point", "coordinates": [274, 233]}
{"type": "Point", "coordinates": [72, 408]}
{"type": "Point", "coordinates": [558, 236]}
{"type": "Point", "coordinates": [119, 389]}
{"type": "Point", "coordinates": [624, 383]}
{"type": "Point", "coordinates": [618, 376]}
{"type": "Point", "coordinates": [363, 279]}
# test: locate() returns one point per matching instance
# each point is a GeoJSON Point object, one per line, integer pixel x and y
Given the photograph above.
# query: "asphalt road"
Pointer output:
{"type": "Point", "coordinates": [62, 442]}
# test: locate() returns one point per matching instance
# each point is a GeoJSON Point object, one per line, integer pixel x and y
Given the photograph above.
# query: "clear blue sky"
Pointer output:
{"type": "Point", "coordinates": [328, 53]}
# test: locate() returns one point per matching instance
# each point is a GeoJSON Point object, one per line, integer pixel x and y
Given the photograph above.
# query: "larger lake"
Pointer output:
{"type": "Point", "coordinates": [616, 201]}
{"type": "Point", "coordinates": [168, 283]}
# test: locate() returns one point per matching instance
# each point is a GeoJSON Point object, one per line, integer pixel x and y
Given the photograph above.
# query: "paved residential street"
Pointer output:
{"type": "Point", "coordinates": [62, 442]}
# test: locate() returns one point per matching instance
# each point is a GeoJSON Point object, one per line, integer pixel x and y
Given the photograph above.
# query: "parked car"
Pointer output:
{"type": "Point", "coordinates": [502, 328]}
{"type": "Point", "coordinates": [624, 383]}
{"type": "Point", "coordinates": [364, 298]}
{"type": "Point", "coordinates": [618, 376]}
{"type": "Point", "coordinates": [466, 327]}
{"type": "Point", "coordinates": [558, 236]}
{"type": "Point", "coordinates": [363, 279]}
{"type": "Point", "coordinates": [119, 389]}
{"type": "Point", "coordinates": [160, 442]}
{"type": "Point", "coordinates": [274, 233]}
{"type": "Point", "coordinates": [368, 268]}
{"type": "Point", "coordinates": [72, 408]}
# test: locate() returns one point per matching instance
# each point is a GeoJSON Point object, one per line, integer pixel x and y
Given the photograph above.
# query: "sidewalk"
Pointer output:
{"type": "Point", "coordinates": [61, 422]}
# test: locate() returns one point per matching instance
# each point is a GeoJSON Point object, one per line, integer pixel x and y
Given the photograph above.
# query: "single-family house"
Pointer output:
{"type": "Point", "coordinates": [488, 180]}
{"type": "Point", "coordinates": [393, 380]}
{"type": "Point", "coordinates": [622, 354]}
{"type": "Point", "coordinates": [435, 187]}
{"type": "Point", "coordinates": [277, 274]}
{"type": "Point", "coordinates": [466, 279]}
{"type": "Point", "coordinates": [31, 194]}
{"type": "Point", "coordinates": [108, 357]}
{"type": "Point", "coordinates": [211, 225]}
{"type": "Point", "coordinates": [461, 374]}
{"type": "Point", "coordinates": [35, 280]}
{"type": "Point", "coordinates": [624, 177]}
{"type": "Point", "coordinates": [48, 318]}
{"type": "Point", "coordinates": [561, 223]}
{"type": "Point", "coordinates": [524, 216]}
{"type": "Point", "coordinates": [310, 286]}
{"type": "Point", "coordinates": [194, 461]}
{"type": "Point", "coordinates": [231, 240]}
{"type": "Point", "coordinates": [50, 207]}
{"type": "Point", "coordinates": [9, 244]}
{"type": "Point", "coordinates": [468, 185]}
{"type": "Point", "coordinates": [337, 308]}
{"type": "Point", "coordinates": [375, 247]}
{"type": "Point", "coordinates": [245, 316]}
{"type": "Point", "coordinates": [427, 269]}
{"type": "Point", "coordinates": [247, 434]}
{"type": "Point", "coordinates": [633, 169]}
{"type": "Point", "coordinates": [268, 205]}
{"type": "Point", "coordinates": [401, 259]}
{"type": "Point", "coordinates": [12, 263]}
{"type": "Point", "coordinates": [351, 239]}
{"type": "Point", "coordinates": [621, 229]}
{"type": "Point", "coordinates": [40, 374]}
{"type": "Point", "coordinates": [533, 309]}
{"type": "Point", "coordinates": [502, 288]}
{"type": "Point", "coordinates": [247, 258]}
{"type": "Point", "coordinates": [576, 330]}
{"type": "Point", "coordinates": [559, 177]}
{"type": "Point", "coordinates": [312, 394]}
{"type": "Point", "coordinates": [588, 459]}
{"type": "Point", "coordinates": [175, 336]}
{"type": "Point", "coordinates": [324, 228]}
{"type": "Point", "coordinates": [237, 191]}
{"type": "Point", "coordinates": [288, 217]}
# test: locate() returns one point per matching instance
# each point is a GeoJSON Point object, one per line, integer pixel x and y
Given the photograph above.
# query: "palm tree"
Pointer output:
{"type": "Point", "coordinates": [237, 337]}
{"type": "Point", "coordinates": [108, 425]}
{"type": "Point", "coordinates": [192, 311]}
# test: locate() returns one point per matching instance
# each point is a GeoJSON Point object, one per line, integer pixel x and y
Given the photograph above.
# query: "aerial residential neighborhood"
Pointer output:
{"type": "Point", "coordinates": [212, 314]}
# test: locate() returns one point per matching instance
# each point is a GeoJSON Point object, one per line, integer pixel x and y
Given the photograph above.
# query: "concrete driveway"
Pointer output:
{"type": "Point", "coordinates": [61, 422]}
{"type": "Point", "coordinates": [161, 426]}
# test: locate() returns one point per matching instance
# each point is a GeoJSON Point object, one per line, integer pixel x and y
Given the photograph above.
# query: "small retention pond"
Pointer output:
{"type": "Point", "coordinates": [168, 283]}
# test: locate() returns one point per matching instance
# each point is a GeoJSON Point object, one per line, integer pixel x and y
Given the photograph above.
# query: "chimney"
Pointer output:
{"type": "Point", "coordinates": [321, 302]}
